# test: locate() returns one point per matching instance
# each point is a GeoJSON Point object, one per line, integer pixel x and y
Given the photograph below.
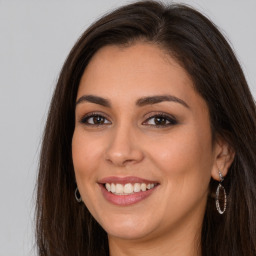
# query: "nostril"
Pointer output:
{"type": "Point", "coordinates": [123, 158]}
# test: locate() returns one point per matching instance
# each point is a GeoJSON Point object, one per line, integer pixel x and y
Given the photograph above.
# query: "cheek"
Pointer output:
{"type": "Point", "coordinates": [185, 157]}
{"type": "Point", "coordinates": [185, 162]}
{"type": "Point", "coordinates": [85, 154]}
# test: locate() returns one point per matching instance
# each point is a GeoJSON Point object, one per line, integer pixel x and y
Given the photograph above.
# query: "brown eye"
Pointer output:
{"type": "Point", "coordinates": [95, 120]}
{"type": "Point", "coordinates": [98, 120]}
{"type": "Point", "coordinates": [161, 120]}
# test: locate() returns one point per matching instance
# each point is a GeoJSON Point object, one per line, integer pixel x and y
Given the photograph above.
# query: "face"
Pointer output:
{"type": "Point", "coordinates": [142, 146]}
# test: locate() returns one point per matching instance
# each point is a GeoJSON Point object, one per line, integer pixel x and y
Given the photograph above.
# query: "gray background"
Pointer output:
{"type": "Point", "coordinates": [35, 38]}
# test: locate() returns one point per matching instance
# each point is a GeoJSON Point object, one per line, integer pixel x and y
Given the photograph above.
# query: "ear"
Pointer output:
{"type": "Point", "coordinates": [224, 156]}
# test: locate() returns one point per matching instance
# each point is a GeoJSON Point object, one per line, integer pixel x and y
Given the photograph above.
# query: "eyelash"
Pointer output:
{"type": "Point", "coordinates": [166, 118]}
{"type": "Point", "coordinates": [85, 119]}
{"type": "Point", "coordinates": [172, 120]}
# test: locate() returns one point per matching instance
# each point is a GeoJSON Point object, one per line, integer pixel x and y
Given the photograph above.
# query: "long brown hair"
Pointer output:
{"type": "Point", "coordinates": [65, 227]}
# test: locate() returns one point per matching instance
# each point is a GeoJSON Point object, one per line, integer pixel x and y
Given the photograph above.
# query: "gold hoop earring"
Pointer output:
{"type": "Point", "coordinates": [220, 187]}
{"type": "Point", "coordinates": [78, 196]}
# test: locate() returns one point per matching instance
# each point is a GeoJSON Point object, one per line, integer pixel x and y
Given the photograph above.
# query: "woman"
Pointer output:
{"type": "Point", "coordinates": [149, 146]}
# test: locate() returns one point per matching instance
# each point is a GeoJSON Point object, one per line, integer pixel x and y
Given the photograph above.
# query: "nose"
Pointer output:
{"type": "Point", "coordinates": [123, 147]}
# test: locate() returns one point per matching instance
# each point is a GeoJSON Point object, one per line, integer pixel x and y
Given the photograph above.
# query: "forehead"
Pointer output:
{"type": "Point", "coordinates": [142, 64]}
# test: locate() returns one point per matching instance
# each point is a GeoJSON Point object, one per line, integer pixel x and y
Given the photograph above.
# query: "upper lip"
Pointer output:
{"type": "Point", "coordinates": [125, 180]}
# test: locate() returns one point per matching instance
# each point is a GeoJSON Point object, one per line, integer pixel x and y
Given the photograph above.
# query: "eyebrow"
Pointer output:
{"type": "Point", "coordinates": [140, 102]}
{"type": "Point", "coordinates": [160, 98]}
{"type": "Point", "coordinates": [94, 99]}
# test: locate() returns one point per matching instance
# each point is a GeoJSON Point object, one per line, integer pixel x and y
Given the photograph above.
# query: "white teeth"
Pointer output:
{"type": "Point", "coordinates": [119, 189]}
{"type": "Point", "coordinates": [128, 188]}
{"type": "Point", "coordinates": [108, 187]}
{"type": "Point", "coordinates": [143, 187]}
{"type": "Point", "coordinates": [136, 187]}
{"type": "Point", "coordinates": [113, 188]}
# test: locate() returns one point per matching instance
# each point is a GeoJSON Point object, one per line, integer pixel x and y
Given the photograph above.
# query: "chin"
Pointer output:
{"type": "Point", "coordinates": [128, 234]}
{"type": "Point", "coordinates": [128, 228]}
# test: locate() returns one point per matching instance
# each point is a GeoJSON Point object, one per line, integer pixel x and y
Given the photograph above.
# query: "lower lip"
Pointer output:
{"type": "Point", "coordinates": [123, 200]}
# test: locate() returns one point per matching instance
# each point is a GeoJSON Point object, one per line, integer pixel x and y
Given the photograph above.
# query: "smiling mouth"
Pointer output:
{"type": "Point", "coordinates": [128, 188]}
{"type": "Point", "coordinates": [125, 191]}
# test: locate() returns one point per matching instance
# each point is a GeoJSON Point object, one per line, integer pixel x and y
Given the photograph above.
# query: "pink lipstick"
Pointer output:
{"type": "Point", "coordinates": [124, 191]}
